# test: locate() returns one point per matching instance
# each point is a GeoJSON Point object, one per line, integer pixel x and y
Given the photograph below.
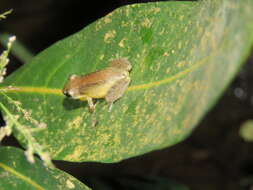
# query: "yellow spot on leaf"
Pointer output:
{"type": "Point", "coordinates": [107, 20]}
{"type": "Point", "coordinates": [109, 36]}
{"type": "Point", "coordinates": [166, 54]}
{"type": "Point", "coordinates": [168, 70]}
{"type": "Point", "coordinates": [121, 43]}
{"type": "Point", "coordinates": [180, 45]}
{"type": "Point", "coordinates": [146, 23]}
{"type": "Point", "coordinates": [76, 155]}
{"type": "Point", "coordinates": [101, 57]}
{"type": "Point", "coordinates": [156, 10]}
{"type": "Point", "coordinates": [69, 184]}
{"type": "Point", "coordinates": [186, 29]}
{"type": "Point", "coordinates": [76, 122]}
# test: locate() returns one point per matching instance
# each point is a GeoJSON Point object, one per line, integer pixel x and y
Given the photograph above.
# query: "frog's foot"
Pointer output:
{"type": "Point", "coordinates": [91, 105]}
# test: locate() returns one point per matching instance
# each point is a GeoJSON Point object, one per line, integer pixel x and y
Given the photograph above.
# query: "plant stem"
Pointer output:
{"type": "Point", "coordinates": [18, 49]}
{"type": "Point", "coordinates": [31, 141]}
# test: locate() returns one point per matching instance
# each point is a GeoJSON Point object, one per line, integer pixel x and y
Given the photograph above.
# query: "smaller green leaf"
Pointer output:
{"type": "Point", "coordinates": [246, 131]}
{"type": "Point", "coordinates": [17, 173]}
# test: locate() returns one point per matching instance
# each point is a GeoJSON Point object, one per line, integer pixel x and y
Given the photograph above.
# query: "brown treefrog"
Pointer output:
{"type": "Point", "coordinates": [109, 83]}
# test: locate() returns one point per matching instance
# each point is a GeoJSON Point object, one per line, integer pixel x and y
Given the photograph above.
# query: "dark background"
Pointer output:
{"type": "Point", "coordinates": [213, 157]}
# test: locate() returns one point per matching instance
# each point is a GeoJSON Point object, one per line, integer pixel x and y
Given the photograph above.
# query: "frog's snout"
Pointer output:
{"type": "Point", "coordinates": [66, 93]}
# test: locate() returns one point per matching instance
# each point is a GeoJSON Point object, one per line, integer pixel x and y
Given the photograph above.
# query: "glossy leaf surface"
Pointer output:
{"type": "Point", "coordinates": [183, 54]}
{"type": "Point", "coordinates": [17, 173]}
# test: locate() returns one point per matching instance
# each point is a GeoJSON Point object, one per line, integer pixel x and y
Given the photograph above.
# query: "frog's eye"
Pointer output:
{"type": "Point", "coordinates": [72, 77]}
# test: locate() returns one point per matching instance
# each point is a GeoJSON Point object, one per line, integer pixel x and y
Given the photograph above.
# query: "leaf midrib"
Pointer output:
{"type": "Point", "coordinates": [19, 175]}
{"type": "Point", "coordinates": [57, 91]}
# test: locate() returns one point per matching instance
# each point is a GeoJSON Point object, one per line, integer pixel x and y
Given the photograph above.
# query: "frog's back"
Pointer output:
{"type": "Point", "coordinates": [97, 84]}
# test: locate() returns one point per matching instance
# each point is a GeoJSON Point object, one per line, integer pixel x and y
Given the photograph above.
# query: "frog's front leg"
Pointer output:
{"type": "Point", "coordinates": [117, 91]}
{"type": "Point", "coordinates": [91, 105]}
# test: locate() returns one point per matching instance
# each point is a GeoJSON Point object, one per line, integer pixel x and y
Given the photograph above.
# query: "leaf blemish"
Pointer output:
{"type": "Point", "coordinates": [181, 17]}
{"type": "Point", "coordinates": [146, 23]}
{"type": "Point", "coordinates": [121, 43]}
{"type": "Point", "coordinates": [166, 54]}
{"type": "Point", "coordinates": [101, 57]}
{"type": "Point", "coordinates": [168, 70]}
{"type": "Point", "coordinates": [180, 45]}
{"type": "Point", "coordinates": [69, 184]}
{"type": "Point", "coordinates": [186, 29]}
{"type": "Point", "coordinates": [156, 10]}
{"type": "Point", "coordinates": [109, 36]}
{"type": "Point", "coordinates": [107, 20]}
{"type": "Point", "coordinates": [76, 122]}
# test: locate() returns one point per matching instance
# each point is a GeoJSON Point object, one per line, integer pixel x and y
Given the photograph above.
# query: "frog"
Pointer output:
{"type": "Point", "coordinates": [110, 84]}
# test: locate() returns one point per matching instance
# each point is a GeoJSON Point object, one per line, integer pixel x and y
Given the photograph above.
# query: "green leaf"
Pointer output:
{"type": "Point", "coordinates": [183, 54]}
{"type": "Point", "coordinates": [17, 173]}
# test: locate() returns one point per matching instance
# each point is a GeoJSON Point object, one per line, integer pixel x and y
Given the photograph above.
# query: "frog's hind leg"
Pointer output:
{"type": "Point", "coordinates": [117, 91]}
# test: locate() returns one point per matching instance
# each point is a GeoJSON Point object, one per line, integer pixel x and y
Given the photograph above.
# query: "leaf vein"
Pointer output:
{"type": "Point", "coordinates": [56, 91]}
{"type": "Point", "coordinates": [19, 175]}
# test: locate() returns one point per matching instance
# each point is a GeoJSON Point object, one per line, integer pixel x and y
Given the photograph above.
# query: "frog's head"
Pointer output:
{"type": "Point", "coordinates": [71, 88]}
